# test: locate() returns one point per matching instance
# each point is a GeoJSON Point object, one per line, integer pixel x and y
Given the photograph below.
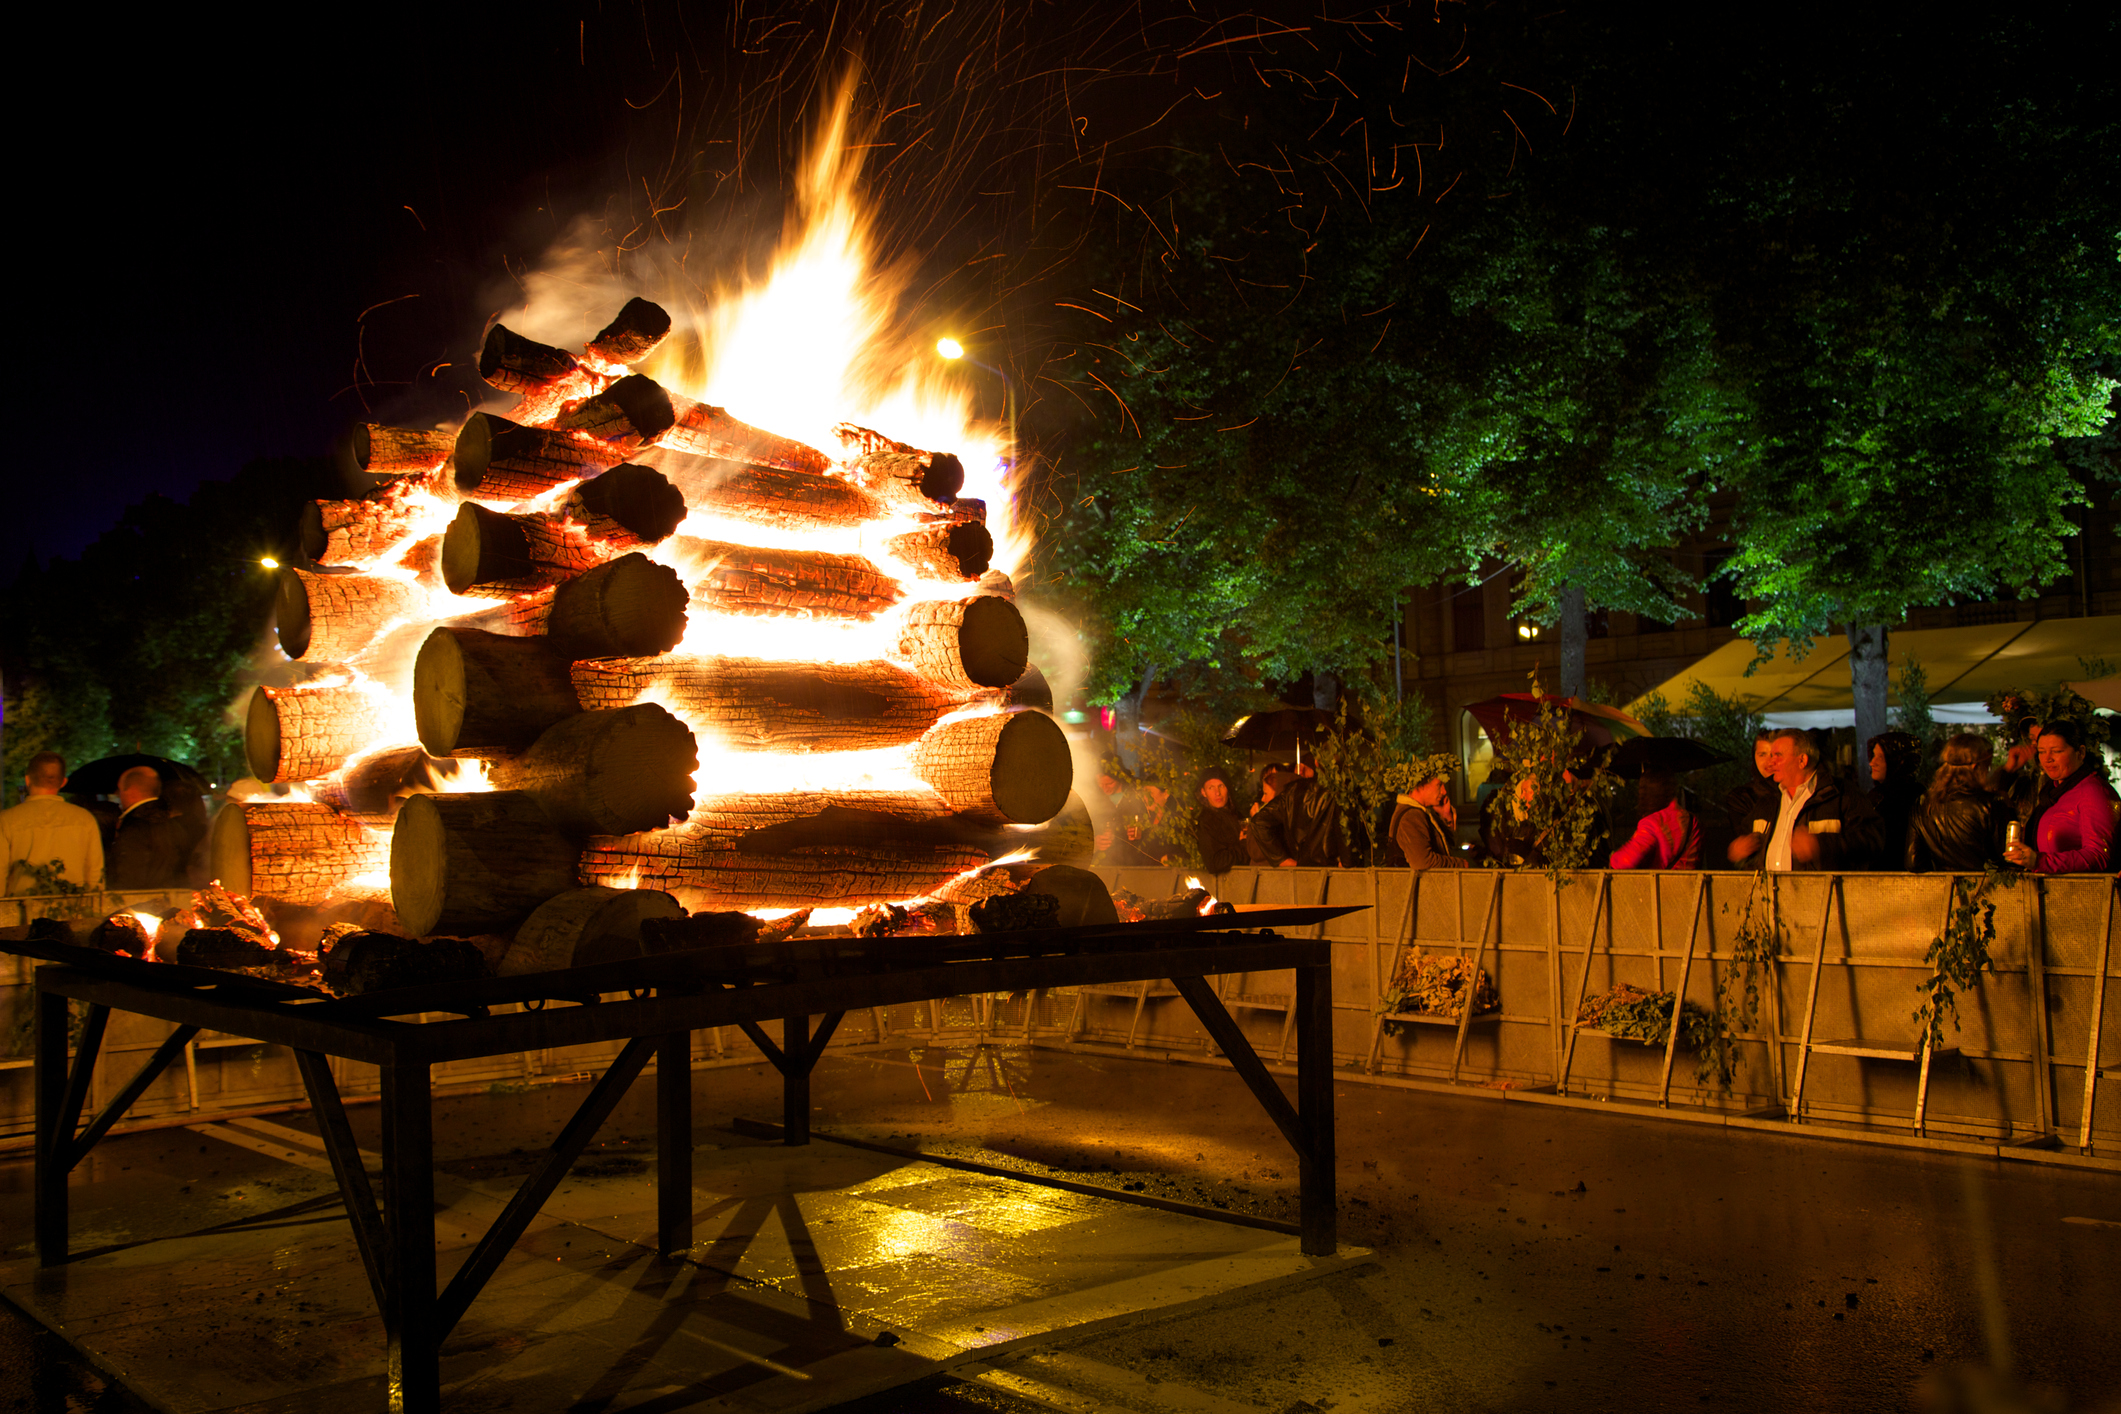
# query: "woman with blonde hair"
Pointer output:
{"type": "Point", "coordinates": [1960, 827]}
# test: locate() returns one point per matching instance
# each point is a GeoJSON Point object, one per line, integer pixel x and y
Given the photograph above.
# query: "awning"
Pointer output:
{"type": "Point", "coordinates": [1964, 665]}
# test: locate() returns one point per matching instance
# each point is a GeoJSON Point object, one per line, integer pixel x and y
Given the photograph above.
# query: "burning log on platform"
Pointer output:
{"type": "Point", "coordinates": [632, 335]}
{"type": "Point", "coordinates": [629, 608]}
{"type": "Point", "coordinates": [708, 431]}
{"type": "Point", "coordinates": [747, 579]}
{"type": "Point", "coordinates": [959, 551]}
{"type": "Point", "coordinates": [793, 851]}
{"type": "Point", "coordinates": [499, 460]}
{"type": "Point", "coordinates": [750, 704]}
{"type": "Point", "coordinates": [398, 451]}
{"type": "Point", "coordinates": [485, 694]}
{"type": "Point", "coordinates": [627, 506]}
{"type": "Point", "coordinates": [585, 926]}
{"type": "Point", "coordinates": [291, 851]}
{"type": "Point", "coordinates": [357, 532]}
{"type": "Point", "coordinates": [330, 618]}
{"type": "Point", "coordinates": [903, 475]}
{"type": "Point", "coordinates": [610, 772]}
{"type": "Point", "coordinates": [790, 500]}
{"type": "Point", "coordinates": [547, 378]}
{"type": "Point", "coordinates": [966, 643]}
{"type": "Point", "coordinates": [306, 733]}
{"type": "Point", "coordinates": [475, 863]}
{"type": "Point", "coordinates": [378, 962]}
{"type": "Point", "coordinates": [1009, 767]}
{"type": "Point", "coordinates": [494, 555]}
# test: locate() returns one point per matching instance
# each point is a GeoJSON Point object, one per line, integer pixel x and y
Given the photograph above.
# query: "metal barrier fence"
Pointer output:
{"type": "Point", "coordinates": [1835, 1040]}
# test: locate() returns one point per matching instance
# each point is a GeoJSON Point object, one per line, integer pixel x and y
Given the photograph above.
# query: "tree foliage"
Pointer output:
{"type": "Point", "coordinates": [139, 644]}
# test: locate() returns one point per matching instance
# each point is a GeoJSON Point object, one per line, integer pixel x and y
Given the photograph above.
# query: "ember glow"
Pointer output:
{"type": "Point", "coordinates": [847, 636]}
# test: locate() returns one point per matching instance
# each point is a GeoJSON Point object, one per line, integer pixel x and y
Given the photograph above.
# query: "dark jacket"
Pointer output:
{"type": "Point", "coordinates": [1302, 823]}
{"type": "Point", "coordinates": [1897, 802]}
{"type": "Point", "coordinates": [1219, 836]}
{"type": "Point", "coordinates": [1419, 840]}
{"type": "Point", "coordinates": [149, 849]}
{"type": "Point", "coordinates": [1961, 834]}
{"type": "Point", "coordinates": [1843, 821]}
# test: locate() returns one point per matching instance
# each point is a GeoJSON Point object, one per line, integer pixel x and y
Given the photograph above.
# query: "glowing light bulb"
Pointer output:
{"type": "Point", "coordinates": [949, 348]}
{"type": "Point", "coordinates": [270, 563]}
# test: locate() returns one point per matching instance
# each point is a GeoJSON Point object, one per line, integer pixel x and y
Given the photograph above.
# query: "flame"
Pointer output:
{"type": "Point", "coordinates": [377, 879]}
{"type": "Point", "coordinates": [462, 776]}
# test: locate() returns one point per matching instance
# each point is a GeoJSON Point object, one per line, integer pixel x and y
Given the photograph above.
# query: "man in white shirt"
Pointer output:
{"type": "Point", "coordinates": [1817, 824]}
{"type": "Point", "coordinates": [44, 830]}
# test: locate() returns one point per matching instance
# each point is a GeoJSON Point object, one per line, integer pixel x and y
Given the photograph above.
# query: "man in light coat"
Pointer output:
{"type": "Point", "coordinates": [44, 831]}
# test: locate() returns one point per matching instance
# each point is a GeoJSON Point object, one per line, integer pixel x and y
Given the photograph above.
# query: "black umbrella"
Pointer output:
{"type": "Point", "coordinates": [1662, 755]}
{"type": "Point", "coordinates": [101, 777]}
{"type": "Point", "coordinates": [1287, 729]}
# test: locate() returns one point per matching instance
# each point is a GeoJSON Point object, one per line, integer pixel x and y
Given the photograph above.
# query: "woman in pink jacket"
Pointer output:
{"type": "Point", "coordinates": [2071, 827]}
{"type": "Point", "coordinates": [1669, 836]}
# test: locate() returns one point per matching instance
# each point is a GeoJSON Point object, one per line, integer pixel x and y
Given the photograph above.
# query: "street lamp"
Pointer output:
{"type": "Point", "coordinates": [951, 351]}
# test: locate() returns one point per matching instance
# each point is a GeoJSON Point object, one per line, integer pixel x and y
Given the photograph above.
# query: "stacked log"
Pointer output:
{"type": "Point", "coordinates": [750, 704]}
{"type": "Point", "coordinates": [585, 821]}
{"type": "Point", "coordinates": [306, 733]}
{"type": "Point", "coordinates": [293, 852]}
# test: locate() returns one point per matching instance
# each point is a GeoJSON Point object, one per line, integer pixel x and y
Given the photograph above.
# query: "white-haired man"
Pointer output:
{"type": "Point", "coordinates": [1817, 825]}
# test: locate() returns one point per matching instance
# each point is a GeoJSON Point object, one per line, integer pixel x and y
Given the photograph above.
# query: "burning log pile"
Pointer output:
{"type": "Point", "coordinates": [541, 706]}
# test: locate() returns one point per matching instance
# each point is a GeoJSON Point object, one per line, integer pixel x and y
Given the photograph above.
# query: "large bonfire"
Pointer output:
{"type": "Point", "coordinates": [618, 636]}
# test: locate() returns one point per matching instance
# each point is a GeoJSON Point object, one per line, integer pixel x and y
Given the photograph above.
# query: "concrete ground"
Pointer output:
{"type": "Point", "coordinates": [1528, 1257]}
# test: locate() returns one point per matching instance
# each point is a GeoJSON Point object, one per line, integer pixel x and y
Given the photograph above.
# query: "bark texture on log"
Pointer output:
{"type": "Point", "coordinates": [475, 863]}
{"type": "Point", "coordinates": [494, 555]}
{"type": "Point", "coordinates": [398, 451]}
{"type": "Point", "coordinates": [708, 431]}
{"type": "Point", "coordinates": [966, 643]}
{"type": "Point", "coordinates": [297, 852]}
{"type": "Point", "coordinates": [583, 927]}
{"type": "Point", "coordinates": [960, 551]}
{"type": "Point", "coordinates": [307, 733]}
{"type": "Point", "coordinates": [746, 579]}
{"type": "Point", "coordinates": [790, 852]}
{"type": "Point", "coordinates": [498, 460]}
{"type": "Point", "coordinates": [484, 694]}
{"type": "Point", "coordinates": [751, 704]}
{"type": "Point", "coordinates": [514, 364]}
{"type": "Point", "coordinates": [1010, 767]}
{"type": "Point", "coordinates": [628, 608]}
{"type": "Point", "coordinates": [628, 505]}
{"type": "Point", "coordinates": [358, 532]}
{"type": "Point", "coordinates": [632, 334]}
{"type": "Point", "coordinates": [764, 495]}
{"type": "Point", "coordinates": [609, 772]}
{"type": "Point", "coordinates": [900, 474]}
{"type": "Point", "coordinates": [330, 618]}
{"type": "Point", "coordinates": [630, 414]}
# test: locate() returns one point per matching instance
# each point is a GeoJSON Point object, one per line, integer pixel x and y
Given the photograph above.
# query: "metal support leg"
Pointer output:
{"type": "Point", "coordinates": [795, 1081]}
{"type": "Point", "coordinates": [55, 1132]}
{"type": "Point", "coordinates": [411, 1322]}
{"type": "Point", "coordinates": [1314, 1099]}
{"type": "Point", "coordinates": [673, 1143]}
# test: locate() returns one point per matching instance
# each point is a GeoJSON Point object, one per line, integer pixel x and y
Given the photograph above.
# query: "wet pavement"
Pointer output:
{"type": "Point", "coordinates": [1527, 1257]}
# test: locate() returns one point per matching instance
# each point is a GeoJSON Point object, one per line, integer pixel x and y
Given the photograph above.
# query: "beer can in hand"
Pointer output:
{"type": "Point", "coordinates": [2013, 835]}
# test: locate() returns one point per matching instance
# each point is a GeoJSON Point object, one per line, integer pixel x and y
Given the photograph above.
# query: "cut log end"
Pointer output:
{"type": "Point", "coordinates": [475, 863]}
{"type": "Point", "coordinates": [583, 927]}
{"type": "Point", "coordinates": [1012, 767]}
{"type": "Point", "coordinates": [632, 334]}
{"type": "Point", "coordinates": [261, 739]}
{"type": "Point", "coordinates": [484, 694]}
{"type": "Point", "coordinates": [629, 608]}
{"type": "Point", "coordinates": [638, 499]}
{"type": "Point", "coordinates": [612, 772]}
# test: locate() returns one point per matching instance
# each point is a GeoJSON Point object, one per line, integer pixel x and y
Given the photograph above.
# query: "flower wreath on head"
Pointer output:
{"type": "Point", "coordinates": [2018, 706]}
{"type": "Point", "coordinates": [1420, 770]}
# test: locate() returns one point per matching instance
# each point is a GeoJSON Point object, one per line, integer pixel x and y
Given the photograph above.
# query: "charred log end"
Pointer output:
{"type": "Point", "coordinates": [1084, 899]}
{"type": "Point", "coordinates": [994, 642]}
{"type": "Point", "coordinates": [514, 364]}
{"type": "Point", "coordinates": [261, 743]}
{"type": "Point", "coordinates": [1032, 769]}
{"type": "Point", "coordinates": [633, 334]}
{"type": "Point", "coordinates": [483, 547]}
{"type": "Point", "coordinates": [644, 403]}
{"type": "Point", "coordinates": [686, 933]}
{"type": "Point", "coordinates": [474, 449]}
{"type": "Point", "coordinates": [583, 927]}
{"type": "Point", "coordinates": [475, 862]}
{"type": "Point", "coordinates": [291, 614]}
{"type": "Point", "coordinates": [629, 608]}
{"type": "Point", "coordinates": [618, 771]}
{"type": "Point", "coordinates": [311, 539]}
{"type": "Point", "coordinates": [973, 548]}
{"type": "Point", "coordinates": [944, 478]}
{"type": "Point", "coordinates": [639, 498]}
{"type": "Point", "coordinates": [1030, 690]}
{"type": "Point", "coordinates": [371, 785]}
